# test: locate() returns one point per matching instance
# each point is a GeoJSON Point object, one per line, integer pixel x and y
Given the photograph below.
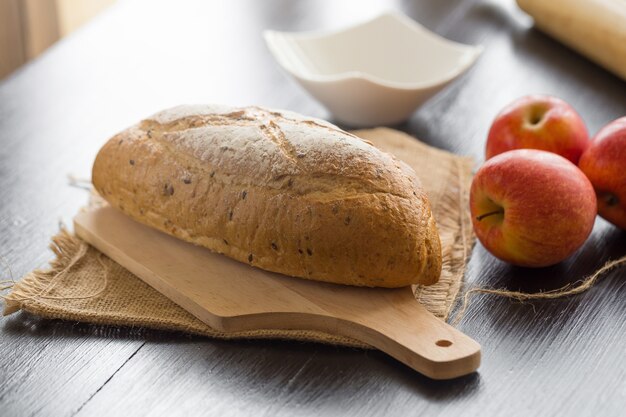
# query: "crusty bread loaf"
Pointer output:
{"type": "Point", "coordinates": [276, 190]}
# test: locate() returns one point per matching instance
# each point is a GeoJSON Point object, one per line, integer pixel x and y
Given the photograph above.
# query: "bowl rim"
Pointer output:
{"type": "Point", "coordinates": [471, 51]}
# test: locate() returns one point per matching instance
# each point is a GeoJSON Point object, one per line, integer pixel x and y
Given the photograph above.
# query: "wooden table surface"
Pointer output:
{"type": "Point", "coordinates": [562, 357]}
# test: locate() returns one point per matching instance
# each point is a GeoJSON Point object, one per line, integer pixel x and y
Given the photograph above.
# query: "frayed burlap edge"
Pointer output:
{"type": "Point", "coordinates": [440, 298]}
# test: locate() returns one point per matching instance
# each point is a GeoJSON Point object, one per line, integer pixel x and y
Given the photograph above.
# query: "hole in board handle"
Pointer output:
{"type": "Point", "coordinates": [443, 343]}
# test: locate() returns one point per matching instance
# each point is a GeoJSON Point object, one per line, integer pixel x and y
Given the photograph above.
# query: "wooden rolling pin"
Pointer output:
{"type": "Point", "coordinates": [595, 28]}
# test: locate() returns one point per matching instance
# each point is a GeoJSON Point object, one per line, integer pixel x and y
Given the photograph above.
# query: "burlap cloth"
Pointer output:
{"type": "Point", "coordinates": [84, 285]}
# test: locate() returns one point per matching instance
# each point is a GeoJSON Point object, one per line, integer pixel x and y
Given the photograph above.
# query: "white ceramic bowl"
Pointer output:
{"type": "Point", "coordinates": [374, 73]}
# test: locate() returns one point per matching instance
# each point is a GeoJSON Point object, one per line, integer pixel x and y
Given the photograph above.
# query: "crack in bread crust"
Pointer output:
{"type": "Point", "coordinates": [274, 133]}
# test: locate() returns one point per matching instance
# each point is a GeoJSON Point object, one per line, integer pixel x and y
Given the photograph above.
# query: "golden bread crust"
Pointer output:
{"type": "Point", "coordinates": [277, 190]}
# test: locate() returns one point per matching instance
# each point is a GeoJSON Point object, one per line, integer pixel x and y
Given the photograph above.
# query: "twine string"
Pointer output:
{"type": "Point", "coordinates": [565, 291]}
{"type": "Point", "coordinates": [6, 284]}
{"type": "Point", "coordinates": [7, 266]}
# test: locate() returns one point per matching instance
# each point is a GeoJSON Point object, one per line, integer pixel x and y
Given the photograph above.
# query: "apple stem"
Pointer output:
{"type": "Point", "coordinates": [491, 213]}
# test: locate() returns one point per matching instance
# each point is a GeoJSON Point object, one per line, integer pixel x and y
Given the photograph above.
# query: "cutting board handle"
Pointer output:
{"type": "Point", "coordinates": [394, 323]}
{"type": "Point", "coordinates": [418, 339]}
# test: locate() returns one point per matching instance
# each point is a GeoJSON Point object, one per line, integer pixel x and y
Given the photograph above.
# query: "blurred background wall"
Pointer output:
{"type": "Point", "coordinates": [29, 27]}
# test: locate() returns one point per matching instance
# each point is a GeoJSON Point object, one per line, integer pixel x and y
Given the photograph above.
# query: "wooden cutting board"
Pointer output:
{"type": "Point", "coordinates": [232, 296]}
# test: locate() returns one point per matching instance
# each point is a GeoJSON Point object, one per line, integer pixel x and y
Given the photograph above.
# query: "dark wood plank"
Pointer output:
{"type": "Point", "coordinates": [561, 357]}
{"type": "Point", "coordinates": [53, 368]}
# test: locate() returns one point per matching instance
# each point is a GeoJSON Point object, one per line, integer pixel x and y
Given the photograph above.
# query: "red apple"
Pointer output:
{"type": "Point", "coordinates": [532, 208]}
{"type": "Point", "coordinates": [539, 122]}
{"type": "Point", "coordinates": [604, 163]}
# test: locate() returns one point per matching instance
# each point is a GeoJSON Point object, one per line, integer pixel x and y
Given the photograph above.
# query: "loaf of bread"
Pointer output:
{"type": "Point", "coordinates": [276, 190]}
